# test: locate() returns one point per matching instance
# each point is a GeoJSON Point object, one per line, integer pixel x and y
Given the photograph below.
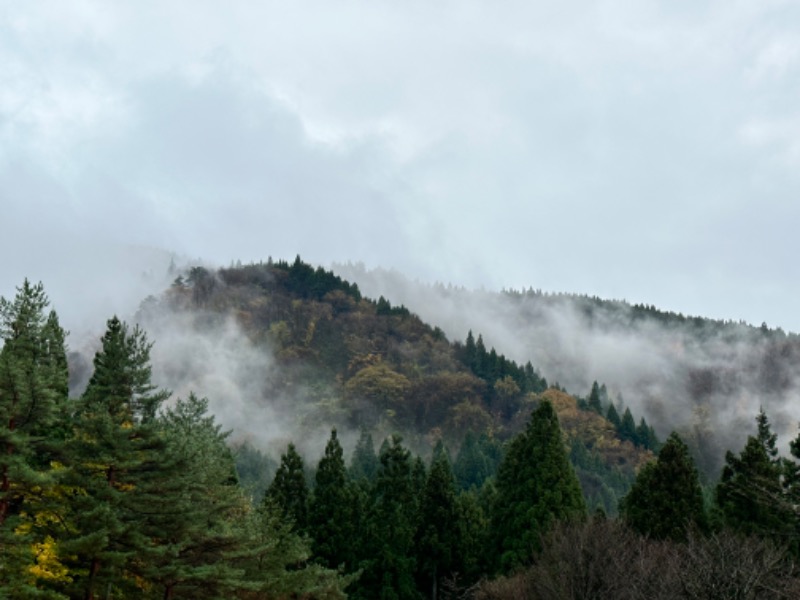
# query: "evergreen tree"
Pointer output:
{"type": "Point", "coordinates": [364, 463]}
{"type": "Point", "coordinates": [289, 490]}
{"type": "Point", "coordinates": [194, 501]}
{"type": "Point", "coordinates": [332, 518]}
{"type": "Point", "coordinates": [536, 486]}
{"type": "Point", "coordinates": [666, 499]}
{"type": "Point", "coordinates": [627, 428]}
{"type": "Point", "coordinates": [437, 540]}
{"type": "Point", "coordinates": [116, 453]}
{"type": "Point", "coordinates": [643, 435]}
{"type": "Point", "coordinates": [750, 493]}
{"type": "Point", "coordinates": [594, 399]}
{"type": "Point", "coordinates": [613, 417]}
{"type": "Point", "coordinates": [470, 351]}
{"type": "Point", "coordinates": [471, 467]}
{"type": "Point", "coordinates": [33, 399]}
{"type": "Point", "coordinates": [389, 569]}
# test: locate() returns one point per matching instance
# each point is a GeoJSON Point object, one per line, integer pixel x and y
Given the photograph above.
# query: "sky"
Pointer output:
{"type": "Point", "coordinates": [638, 150]}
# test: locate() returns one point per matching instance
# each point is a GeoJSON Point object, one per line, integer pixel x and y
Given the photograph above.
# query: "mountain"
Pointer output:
{"type": "Point", "coordinates": [705, 378]}
{"type": "Point", "coordinates": [286, 351]}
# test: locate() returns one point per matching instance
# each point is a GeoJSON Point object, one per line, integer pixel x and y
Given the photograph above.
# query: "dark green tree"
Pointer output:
{"type": "Point", "coordinates": [437, 540]}
{"type": "Point", "coordinates": [750, 494]}
{"type": "Point", "coordinates": [193, 504]}
{"type": "Point", "coordinates": [389, 566]}
{"type": "Point", "coordinates": [471, 467]}
{"type": "Point", "coordinates": [594, 399]}
{"type": "Point", "coordinates": [33, 406]}
{"type": "Point", "coordinates": [116, 453]}
{"type": "Point", "coordinates": [332, 517]}
{"type": "Point", "coordinates": [364, 463]}
{"type": "Point", "coordinates": [536, 487]}
{"type": "Point", "coordinates": [613, 416]}
{"type": "Point", "coordinates": [289, 490]}
{"type": "Point", "coordinates": [627, 428]}
{"type": "Point", "coordinates": [666, 500]}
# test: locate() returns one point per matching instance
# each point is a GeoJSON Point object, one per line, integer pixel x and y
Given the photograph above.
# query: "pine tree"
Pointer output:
{"type": "Point", "coordinates": [289, 490]}
{"type": "Point", "coordinates": [33, 404]}
{"type": "Point", "coordinates": [750, 493]}
{"type": "Point", "coordinates": [536, 486]}
{"type": "Point", "coordinates": [193, 503]}
{"type": "Point", "coordinates": [116, 452]}
{"type": "Point", "coordinates": [364, 463]}
{"type": "Point", "coordinates": [666, 499]}
{"type": "Point", "coordinates": [332, 517]}
{"type": "Point", "coordinates": [389, 568]}
{"type": "Point", "coordinates": [594, 399]}
{"type": "Point", "coordinates": [437, 540]}
{"type": "Point", "coordinates": [471, 467]}
{"type": "Point", "coordinates": [613, 417]}
{"type": "Point", "coordinates": [627, 428]}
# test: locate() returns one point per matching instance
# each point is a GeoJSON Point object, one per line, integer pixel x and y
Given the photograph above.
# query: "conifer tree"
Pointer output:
{"type": "Point", "coordinates": [437, 540]}
{"type": "Point", "coordinates": [33, 403]}
{"type": "Point", "coordinates": [194, 502]}
{"type": "Point", "coordinates": [364, 463]}
{"type": "Point", "coordinates": [666, 499]}
{"type": "Point", "coordinates": [750, 493]}
{"type": "Point", "coordinates": [332, 517]}
{"type": "Point", "coordinates": [536, 486]}
{"type": "Point", "coordinates": [627, 428]}
{"type": "Point", "coordinates": [116, 453]}
{"type": "Point", "coordinates": [389, 568]}
{"type": "Point", "coordinates": [289, 490]}
{"type": "Point", "coordinates": [594, 399]}
{"type": "Point", "coordinates": [613, 416]}
{"type": "Point", "coordinates": [471, 467]}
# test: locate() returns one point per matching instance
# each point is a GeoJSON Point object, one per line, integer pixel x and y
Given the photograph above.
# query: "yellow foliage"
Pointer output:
{"type": "Point", "coordinates": [595, 431]}
{"type": "Point", "coordinates": [47, 565]}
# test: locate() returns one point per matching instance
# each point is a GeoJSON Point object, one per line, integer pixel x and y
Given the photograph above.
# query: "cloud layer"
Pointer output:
{"type": "Point", "coordinates": [637, 150]}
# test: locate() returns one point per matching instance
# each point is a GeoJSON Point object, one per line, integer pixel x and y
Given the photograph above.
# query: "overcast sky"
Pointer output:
{"type": "Point", "coordinates": [638, 150]}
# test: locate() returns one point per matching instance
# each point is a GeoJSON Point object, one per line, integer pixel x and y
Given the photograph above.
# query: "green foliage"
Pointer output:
{"type": "Point", "coordinates": [289, 490]}
{"type": "Point", "coordinates": [750, 494]}
{"type": "Point", "coordinates": [666, 501]}
{"type": "Point", "coordinates": [438, 543]}
{"type": "Point", "coordinates": [536, 486]}
{"type": "Point", "coordinates": [389, 564]}
{"type": "Point", "coordinates": [594, 401]}
{"type": "Point", "coordinates": [254, 469]}
{"type": "Point", "coordinates": [33, 403]}
{"type": "Point", "coordinates": [117, 457]}
{"type": "Point", "coordinates": [332, 513]}
{"type": "Point", "coordinates": [364, 463]}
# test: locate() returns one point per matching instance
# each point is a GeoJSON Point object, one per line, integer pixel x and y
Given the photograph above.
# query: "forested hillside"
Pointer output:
{"type": "Point", "coordinates": [372, 458]}
{"type": "Point", "coordinates": [703, 377]}
{"type": "Point", "coordinates": [346, 361]}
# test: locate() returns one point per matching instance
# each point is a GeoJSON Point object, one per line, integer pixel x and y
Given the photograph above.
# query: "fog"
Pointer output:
{"type": "Point", "coordinates": [714, 380]}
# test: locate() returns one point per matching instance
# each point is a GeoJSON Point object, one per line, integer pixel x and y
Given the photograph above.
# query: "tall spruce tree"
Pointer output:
{"type": "Point", "coordinates": [437, 540]}
{"type": "Point", "coordinates": [289, 489]}
{"type": "Point", "coordinates": [364, 462]}
{"type": "Point", "coordinates": [536, 486]}
{"type": "Point", "coordinates": [332, 515]}
{"type": "Point", "coordinates": [33, 405]}
{"type": "Point", "coordinates": [666, 500]}
{"type": "Point", "coordinates": [389, 567]}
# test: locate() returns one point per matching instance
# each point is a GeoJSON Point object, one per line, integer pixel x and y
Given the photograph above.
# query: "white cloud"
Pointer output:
{"type": "Point", "coordinates": [610, 147]}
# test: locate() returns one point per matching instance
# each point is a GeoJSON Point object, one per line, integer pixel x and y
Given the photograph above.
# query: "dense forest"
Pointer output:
{"type": "Point", "coordinates": [469, 475]}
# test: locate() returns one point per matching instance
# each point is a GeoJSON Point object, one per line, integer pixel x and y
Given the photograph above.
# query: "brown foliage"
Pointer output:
{"type": "Point", "coordinates": [601, 559]}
